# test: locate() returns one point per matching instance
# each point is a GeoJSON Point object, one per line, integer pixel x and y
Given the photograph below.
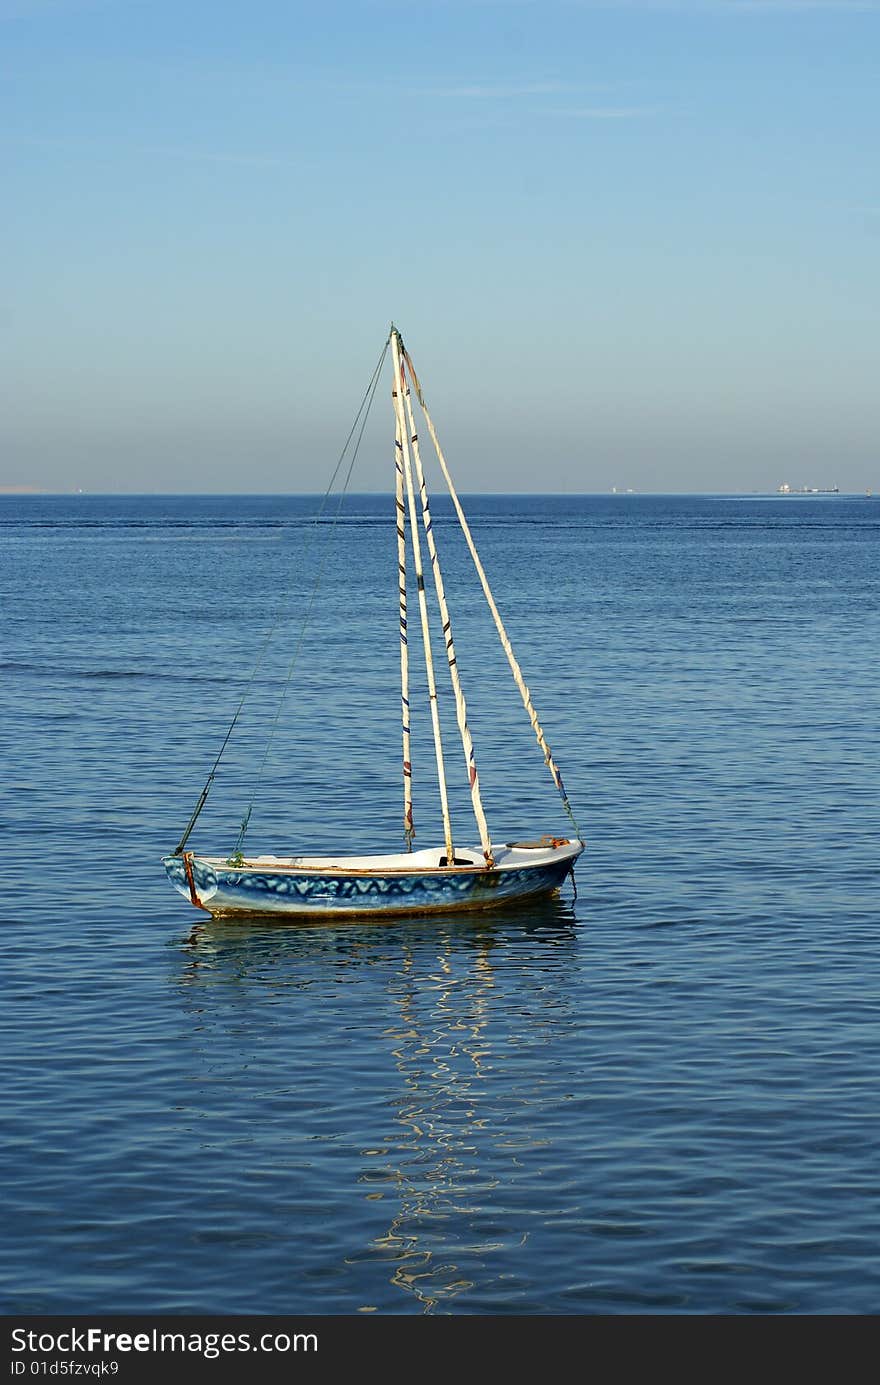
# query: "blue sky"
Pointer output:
{"type": "Point", "coordinates": [629, 244]}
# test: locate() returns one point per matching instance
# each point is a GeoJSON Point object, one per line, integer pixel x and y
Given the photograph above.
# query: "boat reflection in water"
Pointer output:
{"type": "Point", "coordinates": [453, 1023]}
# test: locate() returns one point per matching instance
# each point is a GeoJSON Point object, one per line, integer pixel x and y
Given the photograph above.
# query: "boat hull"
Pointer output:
{"type": "Point", "coordinates": [374, 889]}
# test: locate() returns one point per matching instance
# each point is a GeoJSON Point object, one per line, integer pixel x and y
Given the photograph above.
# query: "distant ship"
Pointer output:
{"type": "Point", "coordinates": [786, 489]}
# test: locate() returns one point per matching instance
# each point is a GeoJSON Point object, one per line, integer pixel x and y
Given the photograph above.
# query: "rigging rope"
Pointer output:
{"type": "Point", "coordinates": [515, 669]}
{"type": "Point", "coordinates": [363, 409]}
{"type": "Point", "coordinates": [369, 397]}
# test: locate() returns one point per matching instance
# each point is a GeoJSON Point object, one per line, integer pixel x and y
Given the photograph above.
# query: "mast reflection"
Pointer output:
{"type": "Point", "coordinates": [443, 1235]}
{"type": "Point", "coordinates": [461, 999]}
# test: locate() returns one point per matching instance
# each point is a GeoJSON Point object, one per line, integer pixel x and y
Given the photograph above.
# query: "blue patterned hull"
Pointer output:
{"type": "Point", "coordinates": [225, 890]}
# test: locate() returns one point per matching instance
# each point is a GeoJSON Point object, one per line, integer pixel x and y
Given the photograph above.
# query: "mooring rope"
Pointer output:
{"type": "Point", "coordinates": [360, 417]}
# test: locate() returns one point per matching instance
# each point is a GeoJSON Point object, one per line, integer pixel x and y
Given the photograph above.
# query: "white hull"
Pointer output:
{"type": "Point", "coordinates": [404, 883]}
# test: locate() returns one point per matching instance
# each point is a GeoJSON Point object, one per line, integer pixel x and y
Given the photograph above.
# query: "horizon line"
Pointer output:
{"type": "Point", "coordinates": [622, 492]}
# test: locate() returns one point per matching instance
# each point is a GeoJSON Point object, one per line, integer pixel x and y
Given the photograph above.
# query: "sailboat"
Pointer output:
{"type": "Point", "coordinates": [441, 878]}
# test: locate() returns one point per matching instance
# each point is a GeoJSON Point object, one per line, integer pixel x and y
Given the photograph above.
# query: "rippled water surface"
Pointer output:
{"type": "Point", "coordinates": [660, 1096]}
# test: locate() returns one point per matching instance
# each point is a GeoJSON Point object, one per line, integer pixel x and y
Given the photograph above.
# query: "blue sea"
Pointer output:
{"type": "Point", "coordinates": [659, 1096]}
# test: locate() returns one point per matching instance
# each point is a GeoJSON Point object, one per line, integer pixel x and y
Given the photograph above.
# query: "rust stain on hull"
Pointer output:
{"type": "Point", "coordinates": [193, 892]}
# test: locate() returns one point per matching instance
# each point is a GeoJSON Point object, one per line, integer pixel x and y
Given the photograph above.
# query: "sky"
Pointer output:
{"type": "Point", "coordinates": [629, 244]}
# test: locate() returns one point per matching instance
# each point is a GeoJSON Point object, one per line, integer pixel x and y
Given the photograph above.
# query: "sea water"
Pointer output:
{"type": "Point", "coordinates": [662, 1095]}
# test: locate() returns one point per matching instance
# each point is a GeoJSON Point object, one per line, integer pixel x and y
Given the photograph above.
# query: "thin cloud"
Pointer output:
{"type": "Point", "coordinates": [74, 145]}
{"type": "Point", "coordinates": [793, 6]}
{"type": "Point", "coordinates": [729, 6]}
{"type": "Point", "coordinates": [501, 91]}
{"type": "Point", "coordinates": [36, 9]}
{"type": "Point", "coordinates": [544, 97]}
{"type": "Point", "coordinates": [488, 90]}
{"type": "Point", "coordinates": [610, 112]}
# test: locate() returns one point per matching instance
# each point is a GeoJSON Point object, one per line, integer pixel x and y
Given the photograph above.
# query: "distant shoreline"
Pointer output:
{"type": "Point", "coordinates": [30, 492]}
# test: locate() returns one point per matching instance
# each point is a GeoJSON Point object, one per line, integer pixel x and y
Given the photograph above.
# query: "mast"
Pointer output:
{"type": "Point", "coordinates": [402, 446]}
{"type": "Point", "coordinates": [460, 703]}
{"type": "Point", "coordinates": [408, 826]}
